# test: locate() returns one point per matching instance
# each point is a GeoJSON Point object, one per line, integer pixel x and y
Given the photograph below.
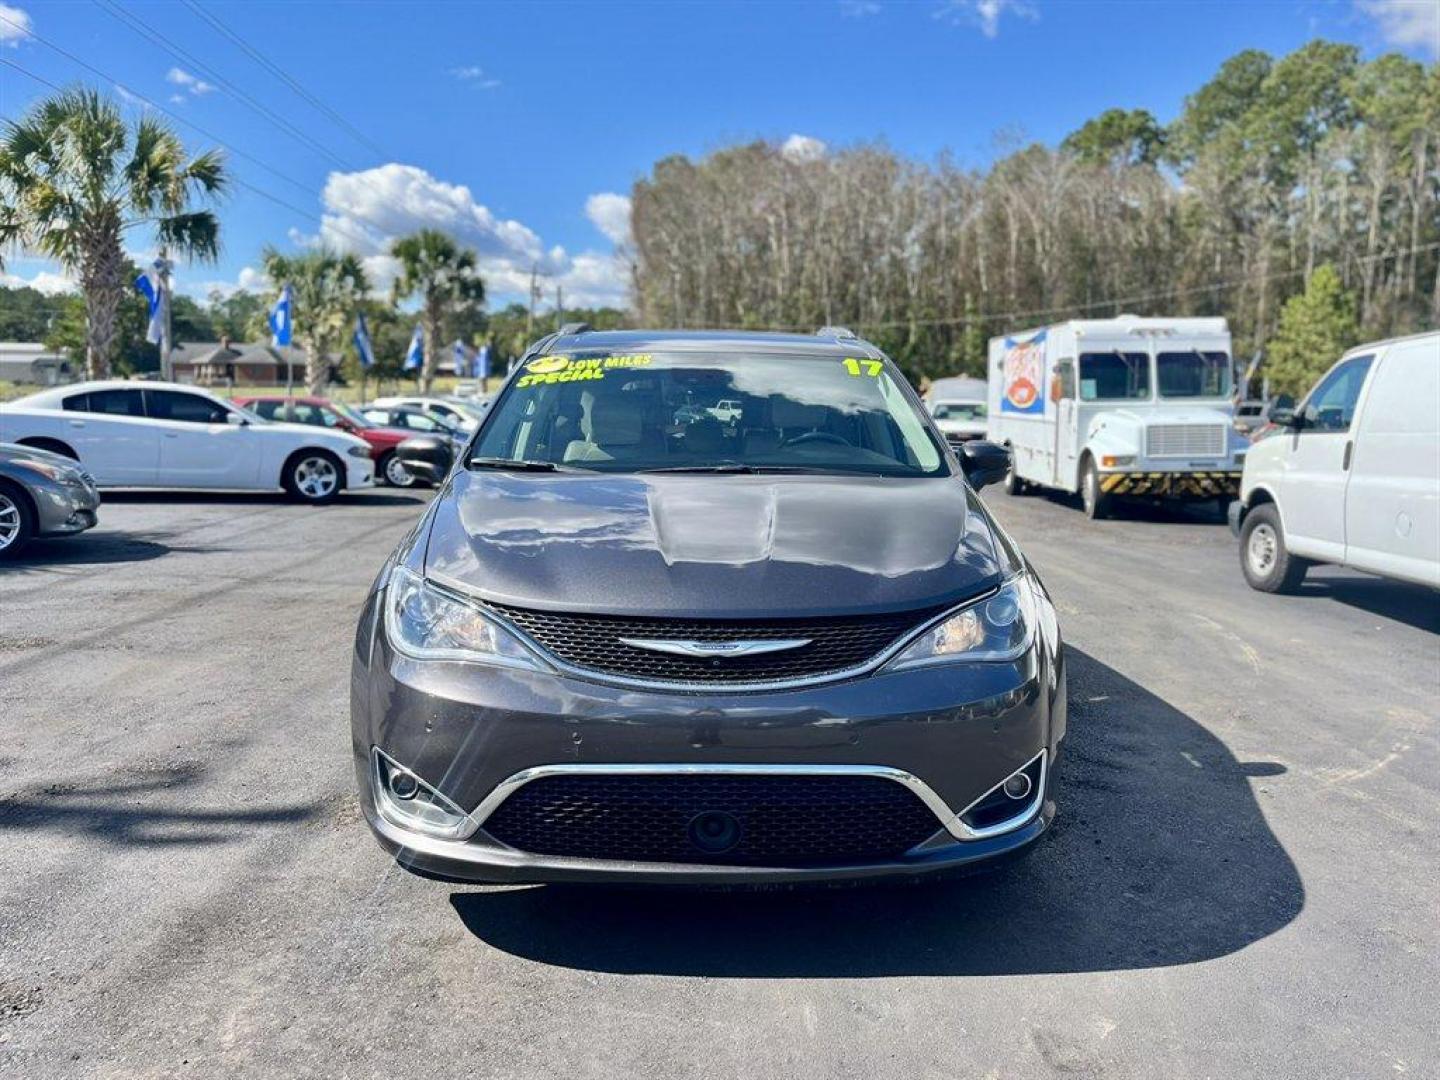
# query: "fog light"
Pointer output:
{"type": "Point", "coordinates": [403, 799]}
{"type": "Point", "coordinates": [403, 785]}
{"type": "Point", "coordinates": [1017, 786]}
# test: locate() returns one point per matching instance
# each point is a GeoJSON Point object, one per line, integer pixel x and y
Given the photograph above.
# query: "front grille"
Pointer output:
{"type": "Point", "coordinates": [1185, 440]}
{"type": "Point", "coordinates": [593, 642]}
{"type": "Point", "coordinates": [783, 820]}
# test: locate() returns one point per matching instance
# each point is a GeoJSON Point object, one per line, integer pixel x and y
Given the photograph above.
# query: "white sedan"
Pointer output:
{"type": "Point", "coordinates": [466, 415]}
{"type": "Point", "coordinates": [169, 435]}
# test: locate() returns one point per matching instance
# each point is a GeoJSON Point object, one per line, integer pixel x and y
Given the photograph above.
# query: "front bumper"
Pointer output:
{"type": "Point", "coordinates": [359, 473]}
{"type": "Point", "coordinates": [1205, 484]}
{"type": "Point", "coordinates": [469, 730]}
{"type": "Point", "coordinates": [64, 509]}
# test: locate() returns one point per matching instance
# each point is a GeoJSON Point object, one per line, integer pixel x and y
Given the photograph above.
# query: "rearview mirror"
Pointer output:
{"type": "Point", "coordinates": [426, 458]}
{"type": "Point", "coordinates": [984, 462]}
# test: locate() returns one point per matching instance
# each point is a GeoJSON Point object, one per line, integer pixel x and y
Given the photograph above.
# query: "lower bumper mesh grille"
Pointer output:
{"type": "Point", "coordinates": [779, 820]}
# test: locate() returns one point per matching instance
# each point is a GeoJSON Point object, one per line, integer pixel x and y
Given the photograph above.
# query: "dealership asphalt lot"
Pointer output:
{"type": "Point", "coordinates": [1241, 880]}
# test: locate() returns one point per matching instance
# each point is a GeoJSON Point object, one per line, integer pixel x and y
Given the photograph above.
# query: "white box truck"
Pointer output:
{"type": "Point", "coordinates": [1118, 407]}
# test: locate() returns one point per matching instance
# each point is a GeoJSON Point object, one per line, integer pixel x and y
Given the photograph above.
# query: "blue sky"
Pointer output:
{"type": "Point", "coordinates": [520, 127]}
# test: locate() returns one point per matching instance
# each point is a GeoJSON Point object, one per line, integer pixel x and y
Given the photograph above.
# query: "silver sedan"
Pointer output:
{"type": "Point", "coordinates": [42, 494]}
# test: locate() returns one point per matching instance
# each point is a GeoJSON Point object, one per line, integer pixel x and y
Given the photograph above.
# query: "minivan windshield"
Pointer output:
{"type": "Point", "coordinates": [959, 410]}
{"type": "Point", "coordinates": [646, 412]}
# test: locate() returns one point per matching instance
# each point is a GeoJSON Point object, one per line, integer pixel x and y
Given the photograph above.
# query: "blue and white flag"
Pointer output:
{"type": "Point", "coordinates": [281, 318]}
{"type": "Point", "coordinates": [462, 358]}
{"type": "Point", "coordinates": [362, 342]}
{"type": "Point", "coordinates": [152, 288]}
{"type": "Point", "coordinates": [482, 362]}
{"type": "Point", "coordinates": [415, 354]}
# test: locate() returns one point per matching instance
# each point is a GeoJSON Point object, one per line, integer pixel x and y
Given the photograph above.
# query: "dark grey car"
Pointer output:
{"type": "Point", "coordinates": [629, 643]}
{"type": "Point", "coordinates": [42, 494]}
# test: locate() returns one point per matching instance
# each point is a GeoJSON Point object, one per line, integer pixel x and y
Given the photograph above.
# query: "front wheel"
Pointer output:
{"type": "Point", "coordinates": [1013, 484]}
{"type": "Point", "coordinates": [395, 474]}
{"type": "Point", "coordinates": [1095, 501]}
{"type": "Point", "coordinates": [1264, 559]}
{"type": "Point", "coordinates": [313, 476]}
{"type": "Point", "coordinates": [17, 524]}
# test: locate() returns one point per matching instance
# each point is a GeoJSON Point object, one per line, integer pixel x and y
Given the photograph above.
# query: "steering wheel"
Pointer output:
{"type": "Point", "coordinates": [815, 436]}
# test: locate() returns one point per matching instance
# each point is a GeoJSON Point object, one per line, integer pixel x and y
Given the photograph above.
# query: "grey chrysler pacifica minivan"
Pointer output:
{"type": "Point", "coordinates": [641, 636]}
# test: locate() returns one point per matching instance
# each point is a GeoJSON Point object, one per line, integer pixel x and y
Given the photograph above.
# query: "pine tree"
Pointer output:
{"type": "Point", "coordinates": [1316, 326]}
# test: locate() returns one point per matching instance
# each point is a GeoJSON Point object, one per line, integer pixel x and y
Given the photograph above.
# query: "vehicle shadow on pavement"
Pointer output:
{"type": "Point", "coordinates": [1159, 856]}
{"type": "Point", "coordinates": [94, 548]}
{"type": "Point", "coordinates": [1400, 601]}
{"type": "Point", "coordinates": [263, 498]}
{"type": "Point", "coordinates": [1164, 512]}
{"type": "Point", "coordinates": [137, 811]}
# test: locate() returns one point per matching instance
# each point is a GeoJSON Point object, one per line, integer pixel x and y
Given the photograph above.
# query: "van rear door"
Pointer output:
{"type": "Point", "coordinates": [1392, 503]}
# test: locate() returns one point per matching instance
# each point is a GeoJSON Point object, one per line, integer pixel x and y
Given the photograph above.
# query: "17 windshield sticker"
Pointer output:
{"type": "Point", "coordinates": [563, 369]}
{"type": "Point", "coordinates": [864, 367]}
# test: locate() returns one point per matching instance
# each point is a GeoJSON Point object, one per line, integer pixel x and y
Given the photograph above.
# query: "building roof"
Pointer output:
{"type": "Point", "coordinates": [223, 352]}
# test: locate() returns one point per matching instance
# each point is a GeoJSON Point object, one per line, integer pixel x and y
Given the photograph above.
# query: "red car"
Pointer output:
{"type": "Point", "coordinates": [322, 412]}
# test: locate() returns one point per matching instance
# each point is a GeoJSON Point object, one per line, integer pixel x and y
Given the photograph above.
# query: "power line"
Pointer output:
{"type": "Point", "coordinates": [277, 200]}
{"type": "Point", "coordinates": [285, 77]}
{"type": "Point", "coordinates": [141, 27]}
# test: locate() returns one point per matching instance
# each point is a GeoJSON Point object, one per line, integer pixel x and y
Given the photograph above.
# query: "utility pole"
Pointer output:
{"type": "Point", "coordinates": [167, 368]}
{"type": "Point", "coordinates": [559, 306]}
{"type": "Point", "coordinates": [534, 296]}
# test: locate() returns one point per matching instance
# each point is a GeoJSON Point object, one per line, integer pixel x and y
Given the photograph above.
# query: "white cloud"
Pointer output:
{"type": "Point", "coordinates": [803, 148]}
{"type": "Point", "coordinates": [474, 73]}
{"type": "Point", "coordinates": [610, 213]}
{"type": "Point", "coordinates": [14, 26]}
{"type": "Point", "coordinates": [365, 211]}
{"type": "Point", "coordinates": [190, 83]}
{"type": "Point", "coordinates": [248, 280]}
{"type": "Point", "coordinates": [985, 14]}
{"type": "Point", "coordinates": [858, 9]}
{"type": "Point", "coordinates": [1406, 24]}
{"type": "Point", "coordinates": [177, 99]}
{"type": "Point", "coordinates": [45, 281]}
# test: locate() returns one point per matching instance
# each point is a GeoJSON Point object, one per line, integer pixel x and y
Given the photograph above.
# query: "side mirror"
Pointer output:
{"type": "Point", "coordinates": [1287, 418]}
{"type": "Point", "coordinates": [234, 419]}
{"type": "Point", "coordinates": [984, 462]}
{"type": "Point", "coordinates": [426, 458]}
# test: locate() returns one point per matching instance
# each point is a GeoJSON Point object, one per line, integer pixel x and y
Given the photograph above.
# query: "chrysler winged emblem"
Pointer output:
{"type": "Point", "coordinates": [716, 649]}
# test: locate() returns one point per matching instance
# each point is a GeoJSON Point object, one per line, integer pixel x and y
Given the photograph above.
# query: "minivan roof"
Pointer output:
{"type": "Point", "coordinates": [1370, 345]}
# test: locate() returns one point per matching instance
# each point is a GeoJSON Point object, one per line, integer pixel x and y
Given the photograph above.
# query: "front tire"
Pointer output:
{"type": "Point", "coordinates": [395, 474]}
{"type": "Point", "coordinates": [314, 477]}
{"type": "Point", "coordinates": [1265, 561]}
{"type": "Point", "coordinates": [1095, 501]}
{"type": "Point", "coordinates": [17, 521]}
{"type": "Point", "coordinates": [1013, 484]}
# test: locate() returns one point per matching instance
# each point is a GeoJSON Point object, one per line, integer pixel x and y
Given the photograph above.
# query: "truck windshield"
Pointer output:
{"type": "Point", "coordinates": [1192, 373]}
{"type": "Point", "coordinates": [1114, 376]}
{"type": "Point", "coordinates": [651, 411]}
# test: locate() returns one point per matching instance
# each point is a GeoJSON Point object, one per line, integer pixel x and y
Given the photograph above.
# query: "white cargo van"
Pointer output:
{"type": "Point", "coordinates": [1115, 407]}
{"type": "Point", "coordinates": [1352, 476]}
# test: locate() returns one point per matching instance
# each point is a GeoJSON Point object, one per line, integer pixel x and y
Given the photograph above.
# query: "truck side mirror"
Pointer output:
{"type": "Point", "coordinates": [984, 462]}
{"type": "Point", "coordinates": [1288, 418]}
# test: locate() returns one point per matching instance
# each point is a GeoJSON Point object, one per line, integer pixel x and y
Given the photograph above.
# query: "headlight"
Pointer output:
{"type": "Point", "coordinates": [61, 474]}
{"type": "Point", "coordinates": [359, 451]}
{"type": "Point", "coordinates": [998, 628]}
{"type": "Point", "coordinates": [427, 624]}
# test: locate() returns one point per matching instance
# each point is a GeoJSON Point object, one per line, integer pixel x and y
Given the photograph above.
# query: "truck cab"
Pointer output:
{"type": "Point", "coordinates": [1119, 407]}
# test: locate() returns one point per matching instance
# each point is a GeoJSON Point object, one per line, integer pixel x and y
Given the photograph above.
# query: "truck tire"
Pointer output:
{"type": "Point", "coordinates": [1264, 559]}
{"type": "Point", "coordinates": [313, 476]}
{"type": "Point", "coordinates": [1095, 501]}
{"type": "Point", "coordinates": [1013, 484]}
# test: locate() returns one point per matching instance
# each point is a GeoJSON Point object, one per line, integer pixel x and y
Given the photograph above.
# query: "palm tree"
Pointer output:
{"type": "Point", "coordinates": [327, 289]}
{"type": "Point", "coordinates": [74, 179]}
{"type": "Point", "coordinates": [445, 277]}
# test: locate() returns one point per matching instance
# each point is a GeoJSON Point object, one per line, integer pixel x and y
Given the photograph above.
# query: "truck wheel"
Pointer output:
{"type": "Point", "coordinates": [313, 476]}
{"type": "Point", "coordinates": [1013, 484]}
{"type": "Point", "coordinates": [1266, 562]}
{"type": "Point", "coordinates": [1095, 501]}
{"type": "Point", "coordinates": [17, 523]}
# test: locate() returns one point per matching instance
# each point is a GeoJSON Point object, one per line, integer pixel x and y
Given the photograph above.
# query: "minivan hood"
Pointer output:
{"type": "Point", "coordinates": [729, 546]}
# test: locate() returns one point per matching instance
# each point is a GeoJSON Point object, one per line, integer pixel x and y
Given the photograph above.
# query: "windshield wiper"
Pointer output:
{"type": "Point", "coordinates": [726, 467]}
{"type": "Point", "coordinates": [518, 464]}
